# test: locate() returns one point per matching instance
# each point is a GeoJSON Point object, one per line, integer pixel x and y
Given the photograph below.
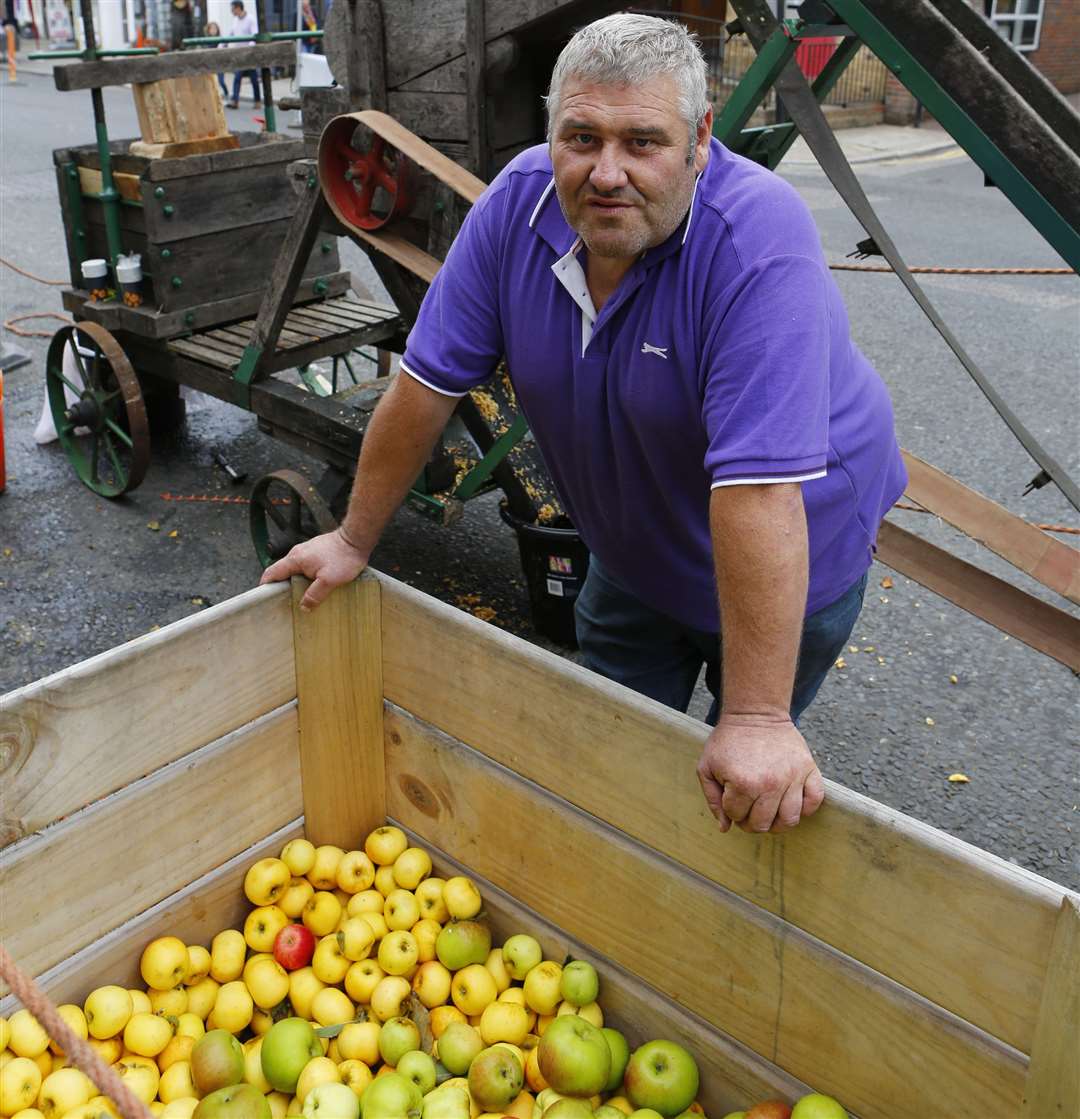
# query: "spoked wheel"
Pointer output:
{"type": "Point", "coordinates": [105, 433]}
{"type": "Point", "coordinates": [285, 510]}
{"type": "Point", "coordinates": [366, 182]}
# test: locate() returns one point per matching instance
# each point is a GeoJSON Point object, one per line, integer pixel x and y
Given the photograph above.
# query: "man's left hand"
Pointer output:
{"type": "Point", "coordinates": [757, 771]}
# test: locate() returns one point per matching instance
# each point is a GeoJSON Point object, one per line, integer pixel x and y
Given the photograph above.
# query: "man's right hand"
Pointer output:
{"type": "Point", "coordinates": [328, 561]}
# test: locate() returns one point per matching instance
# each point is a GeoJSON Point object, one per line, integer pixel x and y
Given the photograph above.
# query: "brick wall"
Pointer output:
{"type": "Point", "coordinates": [899, 104]}
{"type": "Point", "coordinates": [1058, 56]}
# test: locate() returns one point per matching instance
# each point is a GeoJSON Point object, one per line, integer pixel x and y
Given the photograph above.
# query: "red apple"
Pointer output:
{"type": "Point", "coordinates": [294, 946]}
{"type": "Point", "coordinates": [770, 1109]}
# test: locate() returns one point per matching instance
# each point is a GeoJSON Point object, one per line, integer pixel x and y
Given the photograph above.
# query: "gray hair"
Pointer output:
{"type": "Point", "coordinates": [627, 49]}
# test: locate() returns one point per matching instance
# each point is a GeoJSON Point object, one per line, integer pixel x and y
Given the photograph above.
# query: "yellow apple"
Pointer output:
{"type": "Point", "coordinates": [384, 844]}
{"type": "Point", "coordinates": [267, 981]}
{"type": "Point", "coordinates": [331, 1006]}
{"type": "Point", "coordinates": [355, 872]}
{"type": "Point", "coordinates": [497, 966]}
{"type": "Point", "coordinates": [304, 985]}
{"type": "Point", "coordinates": [147, 1034]}
{"type": "Point", "coordinates": [191, 1024]}
{"type": "Point", "coordinates": [109, 1050]}
{"type": "Point", "coordinates": [542, 992]}
{"type": "Point", "coordinates": [262, 926]}
{"type": "Point", "coordinates": [107, 1010]}
{"type": "Point", "coordinates": [299, 856]}
{"type": "Point", "coordinates": [323, 874]}
{"type": "Point", "coordinates": [140, 1001]}
{"type": "Point", "coordinates": [279, 1104]}
{"type": "Point", "coordinates": [266, 880]}
{"type": "Point", "coordinates": [202, 996]}
{"type": "Point", "coordinates": [63, 1091]}
{"type": "Point", "coordinates": [74, 1019]}
{"type": "Point", "coordinates": [591, 1012]}
{"type": "Point", "coordinates": [20, 1082]}
{"type": "Point", "coordinates": [442, 1016]}
{"type": "Point", "coordinates": [329, 962]}
{"type": "Point", "coordinates": [177, 1083]}
{"type": "Point", "coordinates": [261, 1021]}
{"type": "Point", "coordinates": [472, 989]}
{"type": "Point", "coordinates": [322, 913]}
{"type": "Point", "coordinates": [622, 1103]}
{"type": "Point", "coordinates": [429, 896]}
{"type": "Point", "coordinates": [385, 882]}
{"type": "Point", "coordinates": [227, 952]}
{"type": "Point", "coordinates": [398, 952]}
{"type": "Point", "coordinates": [295, 896]}
{"type": "Point", "coordinates": [426, 931]}
{"type": "Point", "coordinates": [141, 1078]}
{"type": "Point", "coordinates": [533, 1076]}
{"type": "Point", "coordinates": [355, 937]}
{"type": "Point", "coordinates": [504, 1021]}
{"type": "Point", "coordinates": [178, 1049]}
{"type": "Point", "coordinates": [390, 992]}
{"type": "Point", "coordinates": [411, 867]}
{"type": "Point", "coordinates": [319, 1070]}
{"type": "Point", "coordinates": [361, 980]}
{"type": "Point", "coordinates": [198, 964]}
{"type": "Point", "coordinates": [367, 901]}
{"type": "Point", "coordinates": [522, 1106]}
{"type": "Point", "coordinates": [359, 1041]}
{"type": "Point", "coordinates": [27, 1036]}
{"type": "Point", "coordinates": [44, 1062]}
{"type": "Point", "coordinates": [378, 924]}
{"type": "Point", "coordinates": [232, 1008]}
{"type": "Point", "coordinates": [174, 1002]}
{"type": "Point", "coordinates": [401, 910]}
{"type": "Point", "coordinates": [462, 897]}
{"type": "Point", "coordinates": [356, 1075]}
{"type": "Point", "coordinates": [164, 963]}
{"type": "Point", "coordinates": [253, 1070]}
{"type": "Point", "coordinates": [431, 984]}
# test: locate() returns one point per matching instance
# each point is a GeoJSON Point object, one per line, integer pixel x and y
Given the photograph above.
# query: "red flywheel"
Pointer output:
{"type": "Point", "coordinates": [365, 189]}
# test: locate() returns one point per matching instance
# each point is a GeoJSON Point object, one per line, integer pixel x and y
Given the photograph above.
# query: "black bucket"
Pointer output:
{"type": "Point", "coordinates": [555, 562]}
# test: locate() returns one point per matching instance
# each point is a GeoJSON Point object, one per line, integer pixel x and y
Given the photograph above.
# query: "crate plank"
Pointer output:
{"type": "Point", "coordinates": [853, 875]}
{"type": "Point", "coordinates": [195, 913]}
{"type": "Point", "coordinates": [164, 831]}
{"type": "Point", "coordinates": [208, 355]}
{"type": "Point", "coordinates": [731, 1074]}
{"type": "Point", "coordinates": [339, 688]}
{"type": "Point", "coordinates": [817, 1014]}
{"type": "Point", "coordinates": [90, 729]}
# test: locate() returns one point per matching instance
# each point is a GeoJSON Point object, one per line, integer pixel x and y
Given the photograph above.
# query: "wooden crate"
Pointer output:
{"type": "Point", "coordinates": [865, 954]}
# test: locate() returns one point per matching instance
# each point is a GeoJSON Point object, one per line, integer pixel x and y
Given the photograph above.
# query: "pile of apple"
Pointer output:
{"type": "Point", "coordinates": [361, 986]}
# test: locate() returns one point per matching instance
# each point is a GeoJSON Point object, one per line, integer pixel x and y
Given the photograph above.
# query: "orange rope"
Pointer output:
{"type": "Point", "coordinates": [31, 276]}
{"type": "Point", "coordinates": [9, 324]}
{"type": "Point", "coordinates": [82, 1056]}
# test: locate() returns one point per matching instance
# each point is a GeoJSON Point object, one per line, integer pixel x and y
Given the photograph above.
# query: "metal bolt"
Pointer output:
{"type": "Point", "coordinates": [177, 282]}
{"type": "Point", "coordinates": [189, 318]}
{"type": "Point", "coordinates": [168, 210]}
{"type": "Point", "coordinates": [327, 247]}
{"type": "Point", "coordinates": [320, 287]}
{"type": "Point", "coordinates": [349, 174]}
{"type": "Point", "coordinates": [312, 182]}
{"type": "Point", "coordinates": [166, 254]}
{"type": "Point", "coordinates": [72, 173]}
{"type": "Point", "coordinates": [159, 192]}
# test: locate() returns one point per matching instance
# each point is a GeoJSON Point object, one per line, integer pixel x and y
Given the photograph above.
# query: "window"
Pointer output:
{"type": "Point", "coordinates": [1017, 21]}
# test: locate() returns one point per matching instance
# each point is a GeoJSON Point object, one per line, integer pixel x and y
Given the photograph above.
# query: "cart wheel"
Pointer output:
{"type": "Point", "coordinates": [365, 188]}
{"type": "Point", "coordinates": [285, 510]}
{"type": "Point", "coordinates": [105, 433]}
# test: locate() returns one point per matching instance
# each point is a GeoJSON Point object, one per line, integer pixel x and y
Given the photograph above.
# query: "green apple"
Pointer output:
{"type": "Point", "coordinates": [645, 1113]}
{"type": "Point", "coordinates": [331, 1101]}
{"type": "Point", "coordinates": [817, 1106]}
{"type": "Point", "coordinates": [237, 1101]}
{"type": "Point", "coordinates": [217, 1061]}
{"type": "Point", "coordinates": [661, 1076]}
{"type": "Point", "coordinates": [397, 1037]}
{"type": "Point", "coordinates": [495, 1078]}
{"type": "Point", "coordinates": [570, 1107]}
{"type": "Point", "coordinates": [450, 1101]}
{"type": "Point", "coordinates": [419, 1067]}
{"type": "Point", "coordinates": [462, 943]}
{"type": "Point", "coordinates": [521, 953]}
{"type": "Point", "coordinates": [579, 984]}
{"type": "Point", "coordinates": [620, 1055]}
{"type": "Point", "coordinates": [574, 1057]}
{"type": "Point", "coordinates": [391, 1097]}
{"type": "Point", "coordinates": [606, 1111]}
{"type": "Point", "coordinates": [458, 1045]}
{"type": "Point", "coordinates": [287, 1046]}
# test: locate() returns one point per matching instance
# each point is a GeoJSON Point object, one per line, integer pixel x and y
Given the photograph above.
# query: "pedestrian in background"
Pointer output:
{"type": "Point", "coordinates": [243, 25]}
{"type": "Point", "coordinates": [310, 23]}
{"type": "Point", "coordinates": [214, 32]}
{"type": "Point", "coordinates": [181, 23]}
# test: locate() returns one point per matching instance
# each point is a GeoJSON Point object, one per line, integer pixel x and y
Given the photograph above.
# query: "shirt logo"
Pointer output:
{"type": "Point", "coordinates": [660, 351]}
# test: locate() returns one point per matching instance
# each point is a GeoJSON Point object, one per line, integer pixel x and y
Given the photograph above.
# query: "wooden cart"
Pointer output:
{"type": "Point", "coordinates": [866, 954]}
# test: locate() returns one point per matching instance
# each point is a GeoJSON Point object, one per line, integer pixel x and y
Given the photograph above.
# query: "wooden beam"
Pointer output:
{"type": "Point", "coordinates": [475, 87]}
{"type": "Point", "coordinates": [1033, 551]}
{"type": "Point", "coordinates": [1015, 612]}
{"type": "Point", "coordinates": [175, 64]}
{"type": "Point", "coordinates": [339, 688]}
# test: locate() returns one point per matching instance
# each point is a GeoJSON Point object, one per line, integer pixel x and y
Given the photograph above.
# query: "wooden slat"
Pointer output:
{"type": "Point", "coordinates": [195, 913]}
{"type": "Point", "coordinates": [333, 344]}
{"type": "Point", "coordinates": [204, 354]}
{"type": "Point", "coordinates": [817, 1014]}
{"type": "Point", "coordinates": [330, 316]}
{"type": "Point", "coordinates": [127, 185]}
{"type": "Point", "coordinates": [227, 347]}
{"type": "Point", "coordinates": [364, 312]}
{"type": "Point", "coordinates": [1033, 551]}
{"type": "Point", "coordinates": [731, 1074]}
{"type": "Point", "coordinates": [1053, 1085]}
{"type": "Point", "coordinates": [90, 729]}
{"type": "Point", "coordinates": [306, 328]}
{"type": "Point", "coordinates": [339, 687]}
{"type": "Point", "coordinates": [1021, 615]}
{"type": "Point", "coordinates": [152, 837]}
{"type": "Point", "coordinates": [403, 252]}
{"type": "Point", "coordinates": [964, 928]}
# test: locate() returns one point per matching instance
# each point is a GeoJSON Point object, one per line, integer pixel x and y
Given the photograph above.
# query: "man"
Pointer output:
{"type": "Point", "coordinates": [243, 25]}
{"type": "Point", "coordinates": [683, 358]}
{"type": "Point", "coordinates": [181, 23]}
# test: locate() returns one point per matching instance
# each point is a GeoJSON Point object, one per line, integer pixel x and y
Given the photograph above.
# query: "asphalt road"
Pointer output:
{"type": "Point", "coordinates": [926, 691]}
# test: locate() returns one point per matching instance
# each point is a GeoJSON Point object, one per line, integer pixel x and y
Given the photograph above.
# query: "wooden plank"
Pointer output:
{"type": "Point", "coordinates": [195, 913]}
{"type": "Point", "coordinates": [338, 316]}
{"type": "Point", "coordinates": [434, 116]}
{"type": "Point", "coordinates": [177, 109]}
{"type": "Point", "coordinates": [229, 348]}
{"type": "Point", "coordinates": [1053, 1084]}
{"type": "Point", "coordinates": [177, 149]}
{"type": "Point", "coordinates": [323, 322]}
{"type": "Point", "coordinates": [335, 344]}
{"type": "Point", "coordinates": [817, 1014]}
{"type": "Point", "coordinates": [476, 89]}
{"type": "Point", "coordinates": [1033, 551]}
{"type": "Point", "coordinates": [402, 252]}
{"type": "Point", "coordinates": [257, 149]}
{"type": "Point", "coordinates": [1021, 615]}
{"type": "Point", "coordinates": [175, 64]}
{"type": "Point", "coordinates": [75, 736]}
{"type": "Point", "coordinates": [339, 688]}
{"type": "Point", "coordinates": [308, 330]}
{"type": "Point", "coordinates": [126, 184]}
{"type": "Point", "coordinates": [138, 829]}
{"type": "Point", "coordinates": [731, 1074]}
{"type": "Point", "coordinates": [207, 355]}
{"type": "Point", "coordinates": [853, 875]}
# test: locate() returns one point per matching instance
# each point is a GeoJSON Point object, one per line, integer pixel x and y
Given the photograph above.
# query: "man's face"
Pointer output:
{"type": "Point", "coordinates": [624, 168]}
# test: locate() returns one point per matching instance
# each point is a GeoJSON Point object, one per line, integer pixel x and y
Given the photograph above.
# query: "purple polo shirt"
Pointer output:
{"type": "Point", "coordinates": [723, 358]}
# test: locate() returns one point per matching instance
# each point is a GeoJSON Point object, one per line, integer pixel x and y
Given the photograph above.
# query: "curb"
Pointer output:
{"type": "Point", "coordinates": [884, 157]}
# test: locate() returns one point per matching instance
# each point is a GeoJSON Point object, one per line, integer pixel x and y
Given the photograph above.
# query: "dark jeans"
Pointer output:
{"type": "Point", "coordinates": [632, 644]}
{"type": "Point", "coordinates": [224, 87]}
{"type": "Point", "coordinates": [238, 77]}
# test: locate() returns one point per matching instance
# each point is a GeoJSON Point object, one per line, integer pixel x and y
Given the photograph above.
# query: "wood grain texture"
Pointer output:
{"type": "Point", "coordinates": [819, 1015]}
{"type": "Point", "coordinates": [731, 1074]}
{"type": "Point", "coordinates": [339, 689]}
{"type": "Point", "coordinates": [178, 109]}
{"type": "Point", "coordinates": [90, 729]}
{"type": "Point", "coordinates": [195, 913]}
{"type": "Point", "coordinates": [127, 185]}
{"type": "Point", "coordinates": [1053, 1084]}
{"type": "Point", "coordinates": [965, 929]}
{"type": "Point", "coordinates": [156, 835]}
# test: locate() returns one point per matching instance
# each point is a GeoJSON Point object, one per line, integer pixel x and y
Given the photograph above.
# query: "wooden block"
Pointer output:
{"type": "Point", "coordinates": [184, 147]}
{"type": "Point", "coordinates": [126, 184]}
{"type": "Point", "coordinates": [176, 110]}
{"type": "Point", "coordinates": [339, 690]}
